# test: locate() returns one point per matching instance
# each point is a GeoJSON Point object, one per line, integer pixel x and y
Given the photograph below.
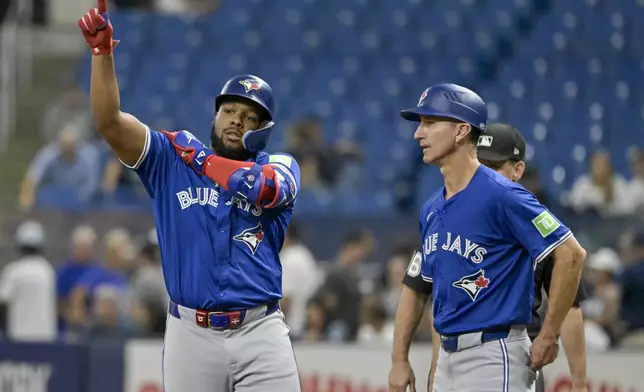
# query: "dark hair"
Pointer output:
{"type": "Point", "coordinates": [29, 250]}
{"type": "Point", "coordinates": [150, 251]}
{"type": "Point", "coordinates": [355, 237]}
{"type": "Point", "coordinates": [475, 133]}
{"type": "Point", "coordinates": [404, 249]}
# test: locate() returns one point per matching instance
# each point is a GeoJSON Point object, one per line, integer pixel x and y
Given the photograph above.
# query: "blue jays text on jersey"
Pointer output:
{"type": "Point", "coordinates": [480, 248]}
{"type": "Point", "coordinates": [219, 251]}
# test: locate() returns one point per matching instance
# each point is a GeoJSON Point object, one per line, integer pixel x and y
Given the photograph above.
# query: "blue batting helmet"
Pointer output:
{"type": "Point", "coordinates": [256, 90]}
{"type": "Point", "coordinates": [450, 101]}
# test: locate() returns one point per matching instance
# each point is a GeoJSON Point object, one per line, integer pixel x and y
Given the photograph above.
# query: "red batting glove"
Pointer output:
{"type": "Point", "coordinates": [97, 29]}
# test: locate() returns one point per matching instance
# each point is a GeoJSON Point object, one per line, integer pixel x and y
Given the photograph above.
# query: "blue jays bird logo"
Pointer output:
{"type": "Point", "coordinates": [250, 84]}
{"type": "Point", "coordinates": [251, 237]}
{"type": "Point", "coordinates": [473, 284]}
{"type": "Point", "coordinates": [422, 97]}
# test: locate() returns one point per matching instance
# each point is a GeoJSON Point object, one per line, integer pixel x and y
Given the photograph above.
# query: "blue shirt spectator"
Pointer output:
{"type": "Point", "coordinates": [111, 276]}
{"type": "Point", "coordinates": [82, 260]}
{"type": "Point", "coordinates": [68, 168]}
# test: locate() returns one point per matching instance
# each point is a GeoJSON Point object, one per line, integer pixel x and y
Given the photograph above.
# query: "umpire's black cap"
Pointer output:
{"type": "Point", "coordinates": [501, 142]}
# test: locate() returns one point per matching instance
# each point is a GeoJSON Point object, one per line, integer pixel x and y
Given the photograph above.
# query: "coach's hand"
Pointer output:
{"type": "Point", "coordinates": [544, 350]}
{"type": "Point", "coordinates": [401, 376]}
{"type": "Point", "coordinates": [97, 29]}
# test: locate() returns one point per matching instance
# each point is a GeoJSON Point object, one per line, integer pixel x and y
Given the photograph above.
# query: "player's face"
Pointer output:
{"type": "Point", "coordinates": [439, 137]}
{"type": "Point", "coordinates": [233, 120]}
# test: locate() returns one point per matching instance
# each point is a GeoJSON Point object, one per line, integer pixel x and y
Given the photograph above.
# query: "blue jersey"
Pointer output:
{"type": "Point", "coordinates": [480, 249]}
{"type": "Point", "coordinates": [218, 251]}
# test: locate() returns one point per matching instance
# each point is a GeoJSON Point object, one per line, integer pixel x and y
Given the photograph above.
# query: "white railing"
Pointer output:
{"type": "Point", "coordinates": [15, 64]}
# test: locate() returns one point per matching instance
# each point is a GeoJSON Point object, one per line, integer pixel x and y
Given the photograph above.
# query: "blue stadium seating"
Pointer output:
{"type": "Point", "coordinates": [568, 80]}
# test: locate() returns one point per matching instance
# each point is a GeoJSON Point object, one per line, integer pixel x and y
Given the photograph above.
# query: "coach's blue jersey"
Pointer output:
{"type": "Point", "coordinates": [480, 248]}
{"type": "Point", "coordinates": [217, 251]}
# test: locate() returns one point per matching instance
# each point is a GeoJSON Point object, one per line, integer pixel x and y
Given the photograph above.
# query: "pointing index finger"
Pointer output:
{"type": "Point", "coordinates": [102, 6]}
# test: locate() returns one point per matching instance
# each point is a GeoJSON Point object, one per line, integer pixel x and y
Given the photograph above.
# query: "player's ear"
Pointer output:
{"type": "Point", "coordinates": [463, 132]}
{"type": "Point", "coordinates": [518, 170]}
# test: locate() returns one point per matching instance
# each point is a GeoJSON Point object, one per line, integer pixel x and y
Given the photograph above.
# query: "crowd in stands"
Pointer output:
{"type": "Point", "coordinates": [121, 294]}
{"type": "Point", "coordinates": [112, 287]}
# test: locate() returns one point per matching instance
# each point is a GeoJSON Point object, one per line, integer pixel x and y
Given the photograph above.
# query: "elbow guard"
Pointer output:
{"type": "Point", "coordinates": [262, 185]}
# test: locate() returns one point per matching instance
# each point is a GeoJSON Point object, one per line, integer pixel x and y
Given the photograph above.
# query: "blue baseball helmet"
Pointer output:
{"type": "Point", "coordinates": [256, 90]}
{"type": "Point", "coordinates": [450, 101]}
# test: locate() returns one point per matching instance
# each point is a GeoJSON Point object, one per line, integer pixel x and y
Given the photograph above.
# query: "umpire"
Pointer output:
{"type": "Point", "coordinates": [504, 151]}
{"type": "Point", "coordinates": [502, 148]}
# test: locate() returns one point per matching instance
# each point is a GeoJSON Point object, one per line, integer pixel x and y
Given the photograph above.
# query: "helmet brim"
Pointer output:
{"type": "Point", "coordinates": [231, 97]}
{"type": "Point", "coordinates": [416, 113]}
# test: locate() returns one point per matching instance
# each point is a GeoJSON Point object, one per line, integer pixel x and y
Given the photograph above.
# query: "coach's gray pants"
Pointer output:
{"type": "Point", "coordinates": [495, 366]}
{"type": "Point", "coordinates": [258, 357]}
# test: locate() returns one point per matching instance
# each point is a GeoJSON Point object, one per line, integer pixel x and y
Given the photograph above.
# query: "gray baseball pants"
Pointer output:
{"type": "Point", "coordinates": [257, 357]}
{"type": "Point", "coordinates": [494, 366]}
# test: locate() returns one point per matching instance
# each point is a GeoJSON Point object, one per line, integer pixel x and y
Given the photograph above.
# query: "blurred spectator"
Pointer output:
{"type": "Point", "coordinates": [396, 266]}
{"type": "Point", "coordinates": [300, 279]}
{"type": "Point", "coordinates": [637, 182]}
{"type": "Point", "coordinates": [322, 165]}
{"type": "Point", "coordinates": [148, 288]}
{"type": "Point", "coordinates": [601, 190]}
{"type": "Point", "coordinates": [82, 259]}
{"type": "Point", "coordinates": [70, 165]}
{"type": "Point", "coordinates": [108, 320]}
{"type": "Point", "coordinates": [632, 282]}
{"type": "Point", "coordinates": [601, 309]}
{"type": "Point", "coordinates": [70, 110]}
{"type": "Point", "coordinates": [187, 7]}
{"type": "Point", "coordinates": [376, 327]}
{"type": "Point", "coordinates": [315, 326]}
{"type": "Point", "coordinates": [4, 8]}
{"type": "Point", "coordinates": [116, 176]}
{"type": "Point", "coordinates": [112, 274]}
{"type": "Point", "coordinates": [340, 295]}
{"type": "Point", "coordinates": [132, 4]}
{"type": "Point", "coordinates": [28, 287]}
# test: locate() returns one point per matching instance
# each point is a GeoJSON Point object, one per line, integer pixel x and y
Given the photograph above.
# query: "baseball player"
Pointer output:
{"type": "Point", "coordinates": [502, 148]}
{"type": "Point", "coordinates": [482, 237]}
{"type": "Point", "coordinates": [219, 240]}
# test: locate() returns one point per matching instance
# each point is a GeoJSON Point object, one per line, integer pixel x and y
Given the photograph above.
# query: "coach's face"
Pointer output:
{"type": "Point", "coordinates": [439, 137]}
{"type": "Point", "coordinates": [233, 120]}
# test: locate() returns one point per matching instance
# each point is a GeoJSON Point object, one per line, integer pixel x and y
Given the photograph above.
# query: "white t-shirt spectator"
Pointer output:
{"type": "Point", "coordinates": [636, 186]}
{"type": "Point", "coordinates": [300, 280]}
{"type": "Point", "coordinates": [28, 287]}
{"type": "Point", "coordinates": [585, 195]}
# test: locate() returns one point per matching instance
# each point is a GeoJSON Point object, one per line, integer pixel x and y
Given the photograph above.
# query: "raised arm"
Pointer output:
{"type": "Point", "coordinates": [123, 132]}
